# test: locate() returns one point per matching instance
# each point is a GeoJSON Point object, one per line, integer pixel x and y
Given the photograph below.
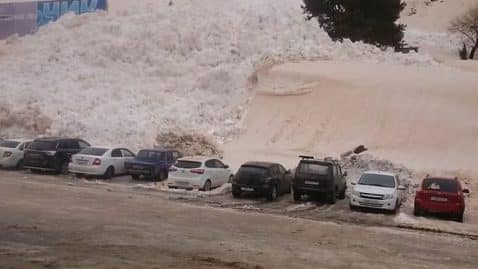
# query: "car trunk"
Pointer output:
{"type": "Point", "coordinates": [439, 197]}
{"type": "Point", "coordinates": [37, 158]}
{"type": "Point", "coordinates": [187, 169]}
{"type": "Point", "coordinates": [251, 175]}
{"type": "Point", "coordinates": [86, 160]}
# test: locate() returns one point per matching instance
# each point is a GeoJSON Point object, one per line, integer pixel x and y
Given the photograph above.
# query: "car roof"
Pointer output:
{"type": "Point", "coordinates": [442, 178]}
{"type": "Point", "coordinates": [372, 172]}
{"type": "Point", "coordinates": [49, 139]}
{"type": "Point", "coordinates": [109, 147]}
{"type": "Point", "coordinates": [21, 140]}
{"type": "Point", "coordinates": [199, 158]}
{"type": "Point", "coordinates": [160, 150]}
{"type": "Point", "coordinates": [260, 164]}
{"type": "Point", "coordinates": [318, 161]}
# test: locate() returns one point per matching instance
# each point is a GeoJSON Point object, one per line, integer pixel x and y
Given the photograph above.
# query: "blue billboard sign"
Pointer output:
{"type": "Point", "coordinates": [25, 17]}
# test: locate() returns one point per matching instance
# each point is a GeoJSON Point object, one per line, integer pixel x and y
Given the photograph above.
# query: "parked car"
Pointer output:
{"type": "Point", "coordinates": [268, 179]}
{"type": "Point", "coordinates": [100, 161]}
{"type": "Point", "coordinates": [12, 152]}
{"type": "Point", "coordinates": [52, 154]}
{"type": "Point", "coordinates": [202, 173]}
{"type": "Point", "coordinates": [441, 195]}
{"type": "Point", "coordinates": [323, 177]}
{"type": "Point", "coordinates": [152, 163]}
{"type": "Point", "coordinates": [379, 190]}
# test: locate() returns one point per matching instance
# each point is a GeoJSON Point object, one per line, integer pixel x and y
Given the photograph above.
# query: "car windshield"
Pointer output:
{"type": "Point", "coordinates": [9, 144]}
{"type": "Point", "coordinates": [439, 184]}
{"type": "Point", "coordinates": [150, 155]}
{"type": "Point", "coordinates": [94, 151]}
{"type": "Point", "coordinates": [313, 168]}
{"type": "Point", "coordinates": [187, 164]}
{"type": "Point", "coordinates": [247, 171]}
{"type": "Point", "coordinates": [43, 145]}
{"type": "Point", "coordinates": [386, 181]}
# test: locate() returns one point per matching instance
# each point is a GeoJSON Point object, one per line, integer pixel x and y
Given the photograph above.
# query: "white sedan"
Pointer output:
{"type": "Point", "coordinates": [100, 161]}
{"type": "Point", "coordinates": [11, 152]}
{"type": "Point", "coordinates": [202, 173]}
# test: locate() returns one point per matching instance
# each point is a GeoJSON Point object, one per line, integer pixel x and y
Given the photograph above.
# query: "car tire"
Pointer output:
{"type": "Point", "coordinates": [236, 192]}
{"type": "Point", "coordinates": [162, 175]}
{"type": "Point", "coordinates": [110, 173]}
{"type": "Point", "coordinates": [332, 196]}
{"type": "Point", "coordinates": [397, 207]}
{"type": "Point", "coordinates": [135, 177]}
{"type": "Point", "coordinates": [342, 194]}
{"type": "Point", "coordinates": [19, 165]}
{"type": "Point", "coordinates": [63, 169]}
{"type": "Point", "coordinates": [272, 193]}
{"type": "Point", "coordinates": [459, 218]}
{"type": "Point", "coordinates": [297, 195]}
{"type": "Point", "coordinates": [417, 211]}
{"type": "Point", "coordinates": [207, 186]}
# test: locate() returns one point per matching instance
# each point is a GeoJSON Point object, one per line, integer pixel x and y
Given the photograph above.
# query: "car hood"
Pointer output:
{"type": "Point", "coordinates": [374, 189]}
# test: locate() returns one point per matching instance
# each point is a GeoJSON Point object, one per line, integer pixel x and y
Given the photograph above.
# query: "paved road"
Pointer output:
{"type": "Point", "coordinates": [53, 223]}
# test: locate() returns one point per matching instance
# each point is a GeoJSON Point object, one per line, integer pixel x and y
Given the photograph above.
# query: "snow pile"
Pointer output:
{"type": "Point", "coordinates": [123, 77]}
{"type": "Point", "coordinates": [195, 193]}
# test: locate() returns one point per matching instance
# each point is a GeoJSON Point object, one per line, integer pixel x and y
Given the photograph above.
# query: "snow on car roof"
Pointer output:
{"type": "Point", "coordinates": [379, 173]}
{"type": "Point", "coordinates": [197, 158]}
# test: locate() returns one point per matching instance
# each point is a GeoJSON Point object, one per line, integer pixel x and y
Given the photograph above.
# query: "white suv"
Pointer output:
{"type": "Point", "coordinates": [379, 190]}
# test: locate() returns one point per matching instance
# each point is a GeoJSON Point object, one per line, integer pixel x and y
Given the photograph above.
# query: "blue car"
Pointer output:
{"type": "Point", "coordinates": [152, 163]}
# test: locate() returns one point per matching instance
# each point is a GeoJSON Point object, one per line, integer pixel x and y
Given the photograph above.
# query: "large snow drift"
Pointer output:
{"type": "Point", "coordinates": [125, 76]}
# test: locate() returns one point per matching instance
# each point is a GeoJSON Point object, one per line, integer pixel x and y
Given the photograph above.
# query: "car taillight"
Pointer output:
{"type": "Point", "coordinates": [97, 162]}
{"type": "Point", "coordinates": [7, 154]}
{"type": "Point", "coordinates": [197, 171]}
{"type": "Point", "coordinates": [172, 169]}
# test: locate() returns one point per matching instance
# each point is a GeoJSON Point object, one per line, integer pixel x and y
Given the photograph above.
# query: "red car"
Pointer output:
{"type": "Point", "coordinates": [442, 196]}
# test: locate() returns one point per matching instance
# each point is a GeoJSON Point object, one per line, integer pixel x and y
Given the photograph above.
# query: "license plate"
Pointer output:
{"type": "Point", "coordinates": [82, 162]}
{"type": "Point", "coordinates": [438, 199]}
{"type": "Point", "coordinates": [247, 189]}
{"type": "Point", "coordinates": [370, 201]}
{"type": "Point", "coordinates": [308, 182]}
{"type": "Point", "coordinates": [182, 183]}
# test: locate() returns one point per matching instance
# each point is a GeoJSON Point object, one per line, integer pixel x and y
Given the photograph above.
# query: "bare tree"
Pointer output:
{"type": "Point", "coordinates": [467, 25]}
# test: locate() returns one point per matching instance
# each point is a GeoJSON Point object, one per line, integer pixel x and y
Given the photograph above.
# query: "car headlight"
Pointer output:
{"type": "Point", "coordinates": [388, 196]}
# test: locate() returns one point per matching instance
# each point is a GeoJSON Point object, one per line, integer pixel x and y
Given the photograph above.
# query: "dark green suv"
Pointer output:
{"type": "Point", "coordinates": [323, 177]}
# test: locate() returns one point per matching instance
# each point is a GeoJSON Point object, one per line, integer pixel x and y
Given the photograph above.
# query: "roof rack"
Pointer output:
{"type": "Point", "coordinates": [304, 157]}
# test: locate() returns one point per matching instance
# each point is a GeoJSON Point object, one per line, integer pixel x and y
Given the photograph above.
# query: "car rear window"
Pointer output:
{"type": "Point", "coordinates": [9, 144]}
{"type": "Point", "coordinates": [150, 155]}
{"type": "Point", "coordinates": [378, 180]}
{"type": "Point", "coordinates": [313, 168]}
{"type": "Point", "coordinates": [439, 184]}
{"type": "Point", "coordinates": [187, 164]}
{"type": "Point", "coordinates": [94, 151]}
{"type": "Point", "coordinates": [43, 145]}
{"type": "Point", "coordinates": [246, 171]}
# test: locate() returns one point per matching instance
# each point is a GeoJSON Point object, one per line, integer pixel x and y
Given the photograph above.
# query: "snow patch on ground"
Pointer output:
{"type": "Point", "coordinates": [162, 187]}
{"type": "Point", "coordinates": [123, 77]}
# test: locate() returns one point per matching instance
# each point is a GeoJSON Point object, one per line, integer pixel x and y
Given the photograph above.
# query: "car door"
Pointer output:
{"type": "Point", "coordinates": [127, 156]}
{"type": "Point", "coordinates": [117, 160]}
{"type": "Point", "coordinates": [211, 171]}
{"type": "Point", "coordinates": [222, 172]}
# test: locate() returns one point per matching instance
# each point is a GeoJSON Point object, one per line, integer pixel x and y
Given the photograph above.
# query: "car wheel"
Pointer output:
{"type": "Point", "coordinates": [397, 207]}
{"type": "Point", "coordinates": [417, 211]}
{"type": "Point", "coordinates": [110, 173]}
{"type": "Point", "coordinates": [236, 191]}
{"type": "Point", "coordinates": [135, 177]}
{"type": "Point", "coordinates": [63, 168]}
{"type": "Point", "coordinates": [19, 165]}
{"type": "Point", "coordinates": [272, 193]}
{"type": "Point", "coordinates": [332, 197]}
{"type": "Point", "coordinates": [342, 194]}
{"type": "Point", "coordinates": [162, 175]}
{"type": "Point", "coordinates": [459, 217]}
{"type": "Point", "coordinates": [207, 186]}
{"type": "Point", "coordinates": [297, 195]}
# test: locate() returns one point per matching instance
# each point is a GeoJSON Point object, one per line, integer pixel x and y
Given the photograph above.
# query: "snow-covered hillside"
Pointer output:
{"type": "Point", "coordinates": [129, 74]}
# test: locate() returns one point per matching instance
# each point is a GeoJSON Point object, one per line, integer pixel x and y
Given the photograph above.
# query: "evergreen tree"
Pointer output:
{"type": "Point", "coordinates": [370, 21]}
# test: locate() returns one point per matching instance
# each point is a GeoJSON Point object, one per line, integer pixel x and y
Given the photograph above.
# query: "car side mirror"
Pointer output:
{"type": "Point", "coordinates": [345, 174]}
{"type": "Point", "coordinates": [467, 191]}
{"type": "Point", "coordinates": [402, 188]}
{"type": "Point", "coordinates": [353, 183]}
{"type": "Point", "coordinates": [226, 166]}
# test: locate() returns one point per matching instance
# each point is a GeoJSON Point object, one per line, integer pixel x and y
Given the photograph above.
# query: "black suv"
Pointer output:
{"type": "Point", "coordinates": [313, 176]}
{"type": "Point", "coordinates": [52, 154]}
{"type": "Point", "coordinates": [269, 179]}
